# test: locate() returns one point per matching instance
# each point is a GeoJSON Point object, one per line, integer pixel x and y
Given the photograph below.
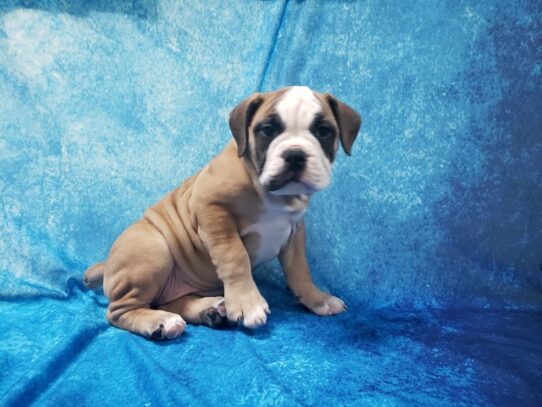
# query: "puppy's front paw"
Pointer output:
{"type": "Point", "coordinates": [247, 307]}
{"type": "Point", "coordinates": [324, 304]}
{"type": "Point", "coordinates": [331, 306]}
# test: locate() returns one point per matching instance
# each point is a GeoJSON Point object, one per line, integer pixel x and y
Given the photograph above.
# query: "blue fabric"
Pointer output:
{"type": "Point", "coordinates": [431, 231]}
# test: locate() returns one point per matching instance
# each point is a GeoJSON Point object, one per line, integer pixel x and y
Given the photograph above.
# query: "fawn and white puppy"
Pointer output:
{"type": "Point", "coordinates": [190, 257]}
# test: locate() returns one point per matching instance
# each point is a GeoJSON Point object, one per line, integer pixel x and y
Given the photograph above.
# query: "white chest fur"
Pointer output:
{"type": "Point", "coordinates": [273, 229]}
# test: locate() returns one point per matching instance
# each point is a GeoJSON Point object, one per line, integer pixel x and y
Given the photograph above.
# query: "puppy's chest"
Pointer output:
{"type": "Point", "coordinates": [267, 236]}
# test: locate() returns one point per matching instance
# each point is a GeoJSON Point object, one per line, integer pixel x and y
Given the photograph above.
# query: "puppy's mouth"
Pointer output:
{"type": "Point", "coordinates": [283, 179]}
{"type": "Point", "coordinates": [294, 172]}
{"type": "Point", "coordinates": [289, 183]}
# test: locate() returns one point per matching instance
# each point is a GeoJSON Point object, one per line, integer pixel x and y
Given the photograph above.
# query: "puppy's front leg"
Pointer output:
{"type": "Point", "coordinates": [294, 263]}
{"type": "Point", "coordinates": [243, 300]}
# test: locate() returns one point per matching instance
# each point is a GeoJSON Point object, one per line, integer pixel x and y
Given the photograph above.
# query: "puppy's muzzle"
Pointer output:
{"type": "Point", "coordinates": [295, 159]}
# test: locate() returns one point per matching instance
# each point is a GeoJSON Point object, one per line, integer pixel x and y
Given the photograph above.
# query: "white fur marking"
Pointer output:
{"type": "Point", "coordinates": [297, 108]}
{"type": "Point", "coordinates": [274, 228]}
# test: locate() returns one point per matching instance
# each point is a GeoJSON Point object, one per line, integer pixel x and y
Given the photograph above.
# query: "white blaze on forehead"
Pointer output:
{"type": "Point", "coordinates": [298, 107]}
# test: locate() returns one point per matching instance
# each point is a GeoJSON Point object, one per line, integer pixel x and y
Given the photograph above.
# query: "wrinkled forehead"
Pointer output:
{"type": "Point", "coordinates": [297, 107]}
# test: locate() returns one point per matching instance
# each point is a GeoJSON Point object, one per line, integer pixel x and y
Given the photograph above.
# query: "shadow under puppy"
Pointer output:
{"type": "Point", "coordinates": [244, 208]}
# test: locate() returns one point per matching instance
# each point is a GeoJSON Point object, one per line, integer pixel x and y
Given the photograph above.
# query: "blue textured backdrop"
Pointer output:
{"type": "Point", "coordinates": [431, 231]}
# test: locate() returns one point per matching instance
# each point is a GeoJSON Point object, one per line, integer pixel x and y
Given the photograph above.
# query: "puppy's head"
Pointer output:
{"type": "Point", "coordinates": [291, 137]}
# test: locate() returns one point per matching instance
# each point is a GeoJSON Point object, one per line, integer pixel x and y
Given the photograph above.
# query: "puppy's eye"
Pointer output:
{"type": "Point", "coordinates": [267, 130]}
{"type": "Point", "coordinates": [324, 132]}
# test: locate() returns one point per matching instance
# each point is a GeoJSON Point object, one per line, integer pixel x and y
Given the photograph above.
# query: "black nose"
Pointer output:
{"type": "Point", "coordinates": [295, 159]}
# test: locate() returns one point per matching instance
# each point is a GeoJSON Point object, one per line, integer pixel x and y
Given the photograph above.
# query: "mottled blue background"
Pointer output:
{"type": "Point", "coordinates": [431, 231]}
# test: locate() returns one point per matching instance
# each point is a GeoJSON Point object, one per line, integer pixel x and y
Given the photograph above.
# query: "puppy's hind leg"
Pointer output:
{"type": "Point", "coordinates": [153, 324]}
{"type": "Point", "coordinates": [197, 310]}
{"type": "Point", "coordinates": [136, 270]}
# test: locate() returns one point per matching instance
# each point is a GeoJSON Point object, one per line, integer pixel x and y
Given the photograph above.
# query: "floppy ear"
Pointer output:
{"type": "Point", "coordinates": [240, 119]}
{"type": "Point", "coordinates": [348, 120]}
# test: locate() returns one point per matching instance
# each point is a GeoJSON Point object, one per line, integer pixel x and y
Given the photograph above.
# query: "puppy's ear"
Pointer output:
{"type": "Point", "coordinates": [241, 117]}
{"type": "Point", "coordinates": [348, 120]}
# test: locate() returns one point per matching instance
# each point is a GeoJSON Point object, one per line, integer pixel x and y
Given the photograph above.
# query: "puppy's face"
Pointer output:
{"type": "Point", "coordinates": [291, 137]}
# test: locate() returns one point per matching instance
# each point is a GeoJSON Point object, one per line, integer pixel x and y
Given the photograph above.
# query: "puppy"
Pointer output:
{"type": "Point", "coordinates": [189, 259]}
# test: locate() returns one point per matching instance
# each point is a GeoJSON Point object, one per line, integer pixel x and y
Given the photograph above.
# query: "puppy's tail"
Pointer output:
{"type": "Point", "coordinates": [94, 276]}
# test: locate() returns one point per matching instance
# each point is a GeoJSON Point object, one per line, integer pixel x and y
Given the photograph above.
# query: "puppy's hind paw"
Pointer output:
{"type": "Point", "coordinates": [170, 328]}
{"type": "Point", "coordinates": [215, 316]}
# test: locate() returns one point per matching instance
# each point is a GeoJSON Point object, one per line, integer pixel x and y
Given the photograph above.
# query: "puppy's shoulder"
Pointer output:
{"type": "Point", "coordinates": [223, 180]}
